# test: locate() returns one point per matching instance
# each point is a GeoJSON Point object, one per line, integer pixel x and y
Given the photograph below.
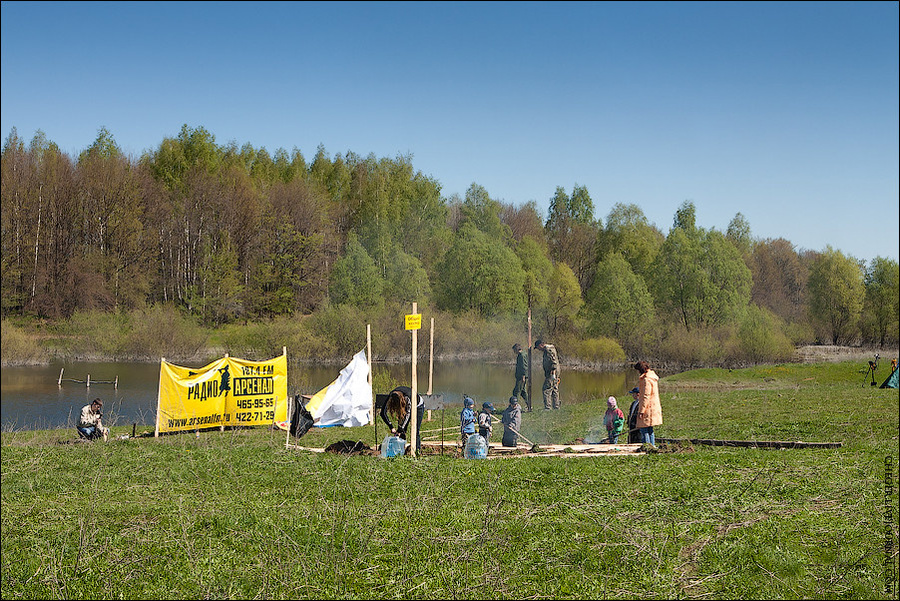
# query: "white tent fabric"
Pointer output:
{"type": "Point", "coordinates": [348, 400]}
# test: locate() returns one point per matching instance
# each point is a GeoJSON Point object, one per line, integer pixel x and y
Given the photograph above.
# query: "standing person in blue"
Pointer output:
{"type": "Point", "coordinates": [399, 404]}
{"type": "Point", "coordinates": [521, 386]}
{"type": "Point", "coordinates": [467, 420]}
{"type": "Point", "coordinates": [485, 425]}
{"type": "Point", "coordinates": [551, 374]}
{"type": "Point", "coordinates": [512, 423]}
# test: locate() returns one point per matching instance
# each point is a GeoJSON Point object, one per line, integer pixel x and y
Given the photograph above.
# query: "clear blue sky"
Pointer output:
{"type": "Point", "coordinates": [784, 112]}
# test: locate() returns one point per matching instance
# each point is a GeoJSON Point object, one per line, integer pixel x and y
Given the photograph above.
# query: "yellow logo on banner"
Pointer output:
{"type": "Point", "coordinates": [227, 392]}
{"type": "Point", "coordinates": [414, 321]}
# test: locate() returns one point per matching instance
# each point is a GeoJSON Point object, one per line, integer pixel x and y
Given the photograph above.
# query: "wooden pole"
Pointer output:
{"type": "Point", "coordinates": [766, 444]}
{"type": "Point", "coordinates": [159, 398]}
{"type": "Point", "coordinates": [290, 411]}
{"type": "Point", "coordinates": [431, 364]}
{"type": "Point", "coordinates": [530, 399]}
{"type": "Point", "coordinates": [89, 380]}
{"type": "Point", "coordinates": [369, 359]}
{"type": "Point", "coordinates": [415, 385]}
{"type": "Point", "coordinates": [60, 377]}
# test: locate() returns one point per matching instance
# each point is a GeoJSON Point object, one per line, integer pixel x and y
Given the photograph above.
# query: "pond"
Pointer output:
{"type": "Point", "coordinates": [33, 398]}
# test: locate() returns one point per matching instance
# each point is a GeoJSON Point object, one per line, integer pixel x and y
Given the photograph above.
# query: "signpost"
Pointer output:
{"type": "Point", "coordinates": [414, 323]}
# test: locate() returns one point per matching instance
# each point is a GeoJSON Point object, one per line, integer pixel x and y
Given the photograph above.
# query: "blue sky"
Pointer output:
{"type": "Point", "coordinates": [784, 112]}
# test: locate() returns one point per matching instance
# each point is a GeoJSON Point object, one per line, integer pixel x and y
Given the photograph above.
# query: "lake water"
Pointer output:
{"type": "Point", "coordinates": [31, 398]}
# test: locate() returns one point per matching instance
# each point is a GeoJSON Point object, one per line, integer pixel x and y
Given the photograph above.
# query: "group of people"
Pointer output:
{"type": "Point", "coordinates": [550, 388]}
{"type": "Point", "coordinates": [510, 418]}
{"type": "Point", "coordinates": [644, 414]}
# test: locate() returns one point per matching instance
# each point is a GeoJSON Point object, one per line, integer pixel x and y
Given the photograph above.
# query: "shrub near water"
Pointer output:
{"type": "Point", "coordinates": [236, 515]}
{"type": "Point", "coordinates": [17, 347]}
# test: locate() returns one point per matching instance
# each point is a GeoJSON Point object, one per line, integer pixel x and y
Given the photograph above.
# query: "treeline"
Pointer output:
{"type": "Point", "coordinates": [233, 234]}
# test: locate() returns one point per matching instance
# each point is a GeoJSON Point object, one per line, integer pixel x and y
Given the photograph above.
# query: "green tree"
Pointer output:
{"type": "Point", "coordinates": [618, 304]}
{"type": "Point", "coordinates": [113, 238]}
{"type": "Point", "coordinates": [836, 293]}
{"type": "Point", "coordinates": [483, 212]}
{"type": "Point", "coordinates": [882, 301]}
{"type": "Point", "coordinates": [537, 267]}
{"type": "Point", "coordinates": [564, 300]}
{"type": "Point", "coordinates": [628, 232]}
{"type": "Point", "coordinates": [701, 278]}
{"type": "Point", "coordinates": [571, 232]}
{"type": "Point", "coordinates": [739, 234]}
{"type": "Point", "coordinates": [406, 280]}
{"type": "Point", "coordinates": [479, 274]}
{"type": "Point", "coordinates": [355, 279]}
{"type": "Point", "coordinates": [216, 296]}
{"type": "Point", "coordinates": [686, 218]}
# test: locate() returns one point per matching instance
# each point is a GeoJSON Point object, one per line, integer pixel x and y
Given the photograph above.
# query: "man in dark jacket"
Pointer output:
{"type": "Point", "coordinates": [521, 386]}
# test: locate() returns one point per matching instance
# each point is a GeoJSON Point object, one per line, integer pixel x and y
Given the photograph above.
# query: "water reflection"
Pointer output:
{"type": "Point", "coordinates": [33, 397]}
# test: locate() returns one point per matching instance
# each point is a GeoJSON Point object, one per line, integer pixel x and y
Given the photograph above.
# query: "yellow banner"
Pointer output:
{"type": "Point", "coordinates": [227, 392]}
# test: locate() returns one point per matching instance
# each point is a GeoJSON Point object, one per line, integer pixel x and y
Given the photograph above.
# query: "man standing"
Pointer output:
{"type": "Point", "coordinates": [551, 374]}
{"type": "Point", "coordinates": [521, 386]}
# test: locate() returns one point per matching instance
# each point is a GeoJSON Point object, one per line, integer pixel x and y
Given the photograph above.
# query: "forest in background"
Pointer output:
{"type": "Point", "coordinates": [195, 237]}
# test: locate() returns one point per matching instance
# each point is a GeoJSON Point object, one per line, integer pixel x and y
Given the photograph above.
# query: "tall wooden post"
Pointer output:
{"type": "Point", "coordinates": [414, 385]}
{"type": "Point", "coordinates": [431, 364]}
{"type": "Point", "coordinates": [159, 399]}
{"type": "Point", "coordinates": [369, 359]}
{"type": "Point", "coordinates": [530, 363]}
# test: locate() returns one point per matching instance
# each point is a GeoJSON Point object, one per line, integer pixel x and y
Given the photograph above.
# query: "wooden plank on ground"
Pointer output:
{"type": "Point", "coordinates": [765, 444]}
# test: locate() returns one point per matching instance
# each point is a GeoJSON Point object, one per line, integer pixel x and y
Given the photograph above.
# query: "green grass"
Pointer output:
{"type": "Point", "coordinates": [236, 515]}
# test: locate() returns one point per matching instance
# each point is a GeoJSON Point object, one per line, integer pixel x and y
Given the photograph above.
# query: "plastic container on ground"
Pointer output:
{"type": "Point", "coordinates": [476, 447]}
{"type": "Point", "coordinates": [393, 446]}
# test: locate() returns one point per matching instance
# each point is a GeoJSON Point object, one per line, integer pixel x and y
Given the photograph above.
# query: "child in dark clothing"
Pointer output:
{"type": "Point", "coordinates": [485, 427]}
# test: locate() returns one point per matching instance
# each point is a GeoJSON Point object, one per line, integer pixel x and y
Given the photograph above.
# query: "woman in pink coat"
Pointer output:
{"type": "Point", "coordinates": [649, 409]}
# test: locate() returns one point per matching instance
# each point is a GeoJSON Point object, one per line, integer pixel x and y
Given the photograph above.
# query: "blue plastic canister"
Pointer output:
{"type": "Point", "coordinates": [476, 447]}
{"type": "Point", "coordinates": [393, 446]}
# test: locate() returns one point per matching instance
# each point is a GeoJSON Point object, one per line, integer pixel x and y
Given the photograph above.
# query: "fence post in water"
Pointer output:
{"type": "Point", "coordinates": [116, 385]}
{"type": "Point", "coordinates": [60, 377]}
{"type": "Point", "coordinates": [89, 380]}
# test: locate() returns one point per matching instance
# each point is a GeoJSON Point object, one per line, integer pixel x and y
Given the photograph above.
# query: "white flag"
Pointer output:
{"type": "Point", "coordinates": [348, 400]}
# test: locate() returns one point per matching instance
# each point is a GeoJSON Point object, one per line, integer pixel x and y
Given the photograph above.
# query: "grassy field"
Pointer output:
{"type": "Point", "coordinates": [236, 515]}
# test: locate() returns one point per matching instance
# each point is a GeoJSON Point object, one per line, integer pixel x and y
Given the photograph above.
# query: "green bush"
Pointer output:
{"type": "Point", "coordinates": [162, 331]}
{"type": "Point", "coordinates": [18, 348]}
{"type": "Point", "coordinates": [699, 346]}
{"type": "Point", "coordinates": [761, 337]}
{"type": "Point", "coordinates": [596, 350]}
{"type": "Point", "coordinates": [342, 328]}
{"type": "Point", "coordinates": [93, 333]}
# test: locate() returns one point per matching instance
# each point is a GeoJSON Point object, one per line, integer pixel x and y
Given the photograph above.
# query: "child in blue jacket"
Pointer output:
{"type": "Point", "coordinates": [467, 420]}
